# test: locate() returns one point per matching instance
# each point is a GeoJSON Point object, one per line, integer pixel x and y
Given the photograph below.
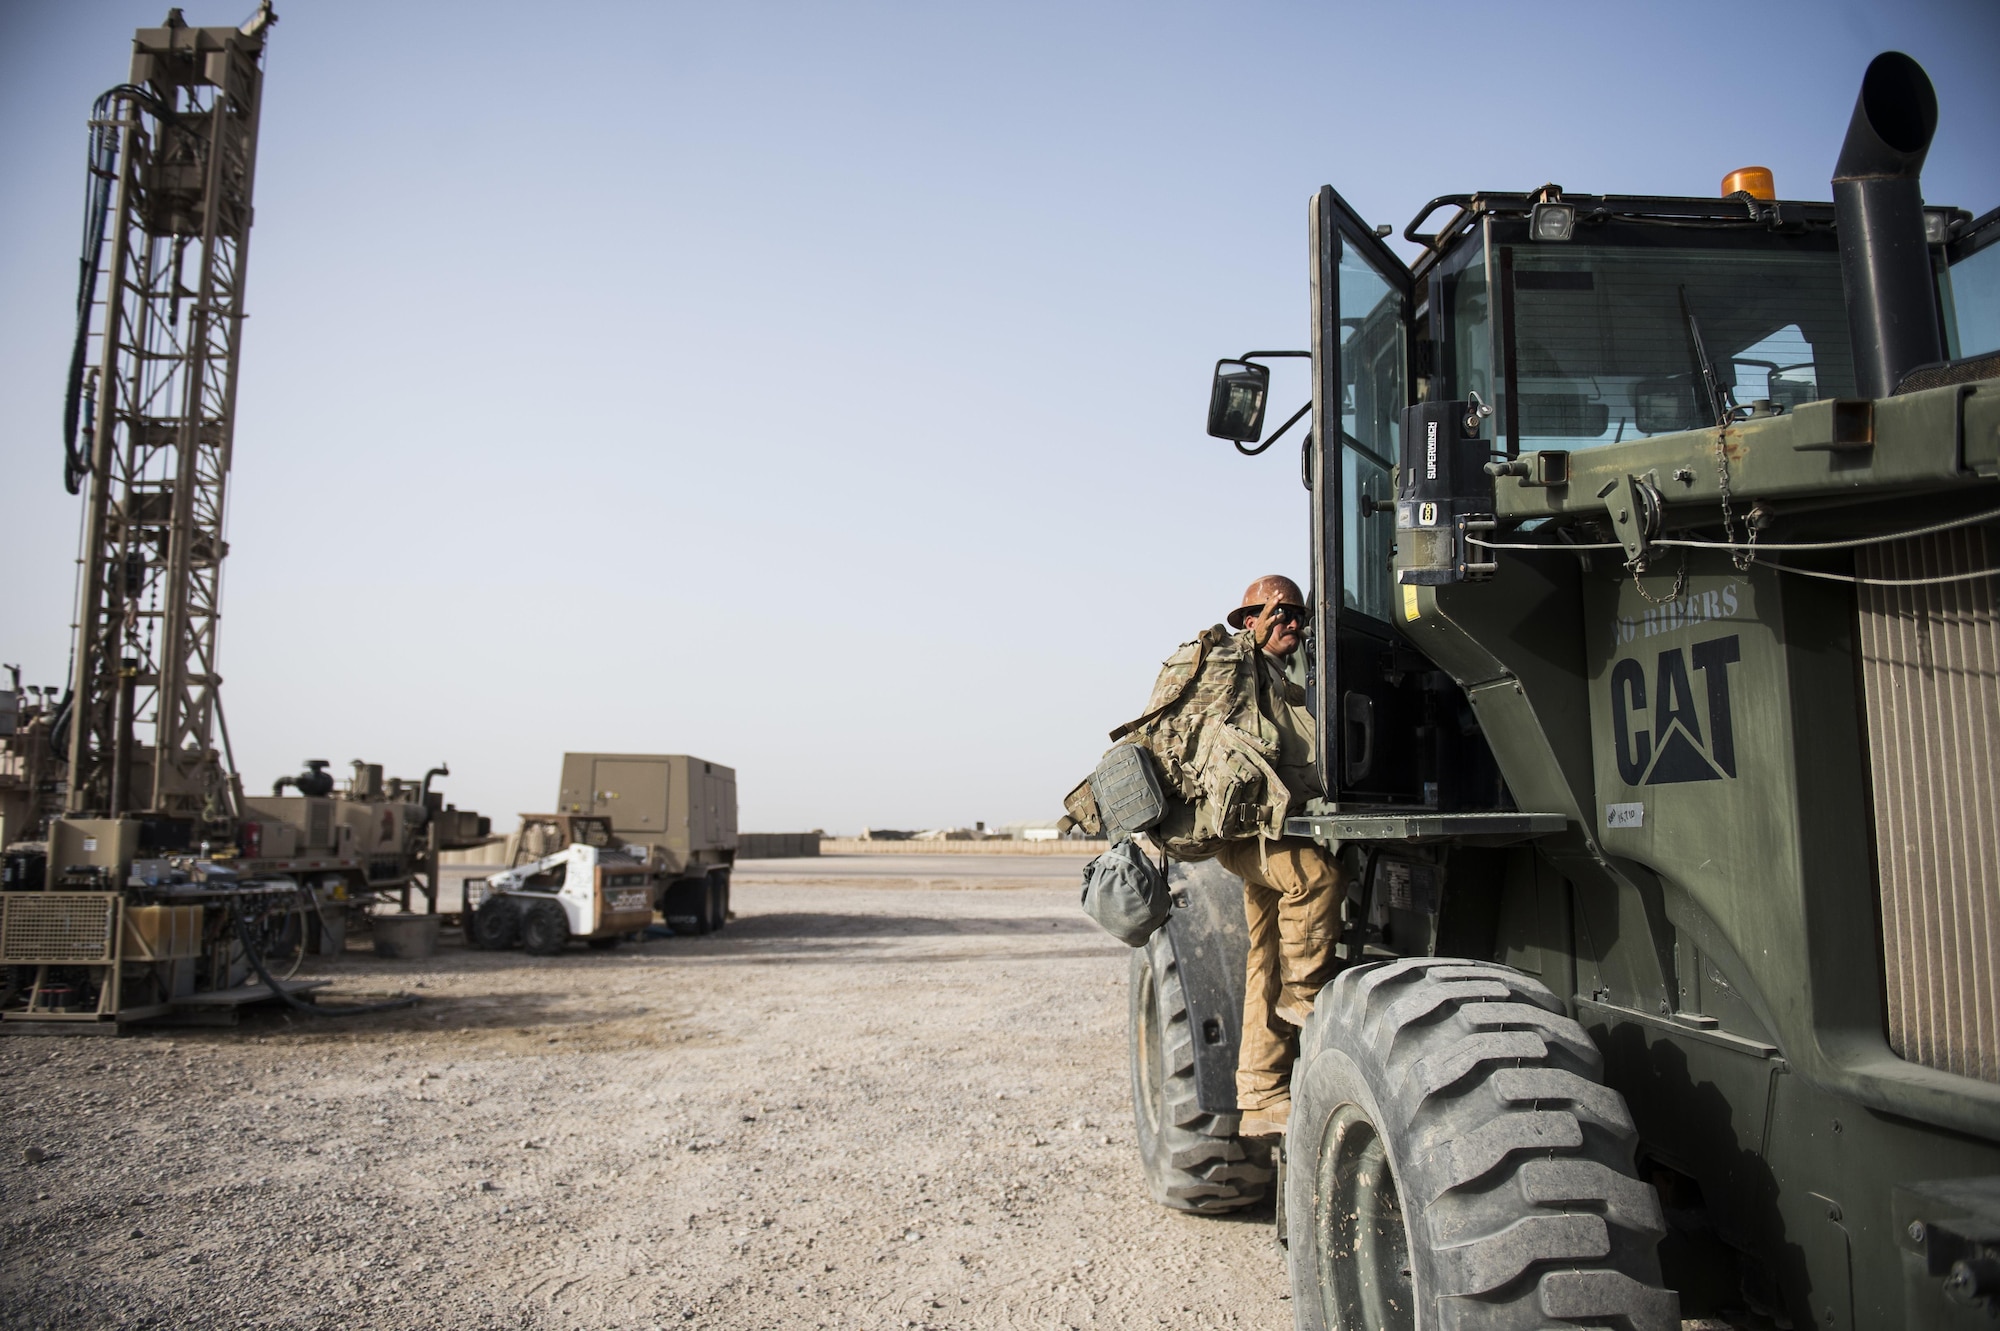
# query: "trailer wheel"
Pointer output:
{"type": "Point", "coordinates": [544, 929]}
{"type": "Point", "coordinates": [718, 886]}
{"type": "Point", "coordinates": [1453, 1150]}
{"type": "Point", "coordinates": [718, 892]}
{"type": "Point", "coordinates": [496, 925]}
{"type": "Point", "coordinates": [686, 905]}
{"type": "Point", "coordinates": [1193, 1160]}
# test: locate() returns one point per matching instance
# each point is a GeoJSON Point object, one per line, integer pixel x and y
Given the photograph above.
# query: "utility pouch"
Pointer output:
{"type": "Point", "coordinates": [1126, 893]}
{"type": "Point", "coordinates": [1080, 811]}
{"type": "Point", "coordinates": [1126, 786]}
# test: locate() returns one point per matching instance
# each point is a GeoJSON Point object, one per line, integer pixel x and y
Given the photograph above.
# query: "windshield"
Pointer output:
{"type": "Point", "coordinates": [1607, 344]}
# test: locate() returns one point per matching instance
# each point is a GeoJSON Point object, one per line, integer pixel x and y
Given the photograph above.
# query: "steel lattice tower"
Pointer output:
{"type": "Point", "coordinates": [161, 307]}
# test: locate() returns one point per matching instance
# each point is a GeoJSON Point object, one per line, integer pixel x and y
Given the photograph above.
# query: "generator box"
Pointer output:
{"type": "Point", "coordinates": [108, 844]}
{"type": "Point", "coordinates": [682, 806]}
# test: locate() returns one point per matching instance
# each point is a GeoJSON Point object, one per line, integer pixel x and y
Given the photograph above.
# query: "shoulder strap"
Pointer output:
{"type": "Point", "coordinates": [1201, 645]}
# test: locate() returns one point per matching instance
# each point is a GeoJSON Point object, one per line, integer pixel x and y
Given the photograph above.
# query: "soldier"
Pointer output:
{"type": "Point", "coordinates": [1291, 886]}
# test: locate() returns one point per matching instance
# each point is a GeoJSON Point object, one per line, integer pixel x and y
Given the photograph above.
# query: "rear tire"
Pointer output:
{"type": "Point", "coordinates": [1453, 1159]}
{"type": "Point", "coordinates": [1193, 1160]}
{"type": "Point", "coordinates": [496, 925]}
{"type": "Point", "coordinates": [544, 929]}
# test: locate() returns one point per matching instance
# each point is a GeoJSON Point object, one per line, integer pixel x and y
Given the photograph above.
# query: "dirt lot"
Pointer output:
{"type": "Point", "coordinates": [891, 1094]}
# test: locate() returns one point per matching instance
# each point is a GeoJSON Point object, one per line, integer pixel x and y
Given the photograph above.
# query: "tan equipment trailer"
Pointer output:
{"type": "Point", "coordinates": [681, 809]}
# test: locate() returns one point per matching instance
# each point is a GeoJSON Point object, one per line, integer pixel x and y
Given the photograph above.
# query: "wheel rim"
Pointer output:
{"type": "Point", "coordinates": [1152, 1052]}
{"type": "Point", "coordinates": [1364, 1250]}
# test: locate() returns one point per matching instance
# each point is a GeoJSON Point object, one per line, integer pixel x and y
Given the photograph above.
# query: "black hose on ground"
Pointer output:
{"type": "Point", "coordinates": [291, 999]}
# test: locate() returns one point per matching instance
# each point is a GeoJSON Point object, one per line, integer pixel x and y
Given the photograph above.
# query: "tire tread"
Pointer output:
{"type": "Point", "coordinates": [1197, 1163]}
{"type": "Point", "coordinates": [1515, 1162]}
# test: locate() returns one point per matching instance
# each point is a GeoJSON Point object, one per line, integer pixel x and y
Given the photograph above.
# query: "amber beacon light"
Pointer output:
{"type": "Point", "coordinates": [1755, 181]}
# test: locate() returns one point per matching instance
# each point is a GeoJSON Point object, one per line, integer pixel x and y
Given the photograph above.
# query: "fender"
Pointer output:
{"type": "Point", "coordinates": [1211, 942]}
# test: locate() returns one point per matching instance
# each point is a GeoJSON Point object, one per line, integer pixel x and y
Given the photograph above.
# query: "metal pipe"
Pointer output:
{"type": "Point", "coordinates": [1878, 202]}
{"type": "Point", "coordinates": [122, 739]}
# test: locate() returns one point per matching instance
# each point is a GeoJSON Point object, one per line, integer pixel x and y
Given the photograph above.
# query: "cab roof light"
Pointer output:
{"type": "Point", "coordinates": [1756, 181]}
{"type": "Point", "coordinates": [1551, 218]}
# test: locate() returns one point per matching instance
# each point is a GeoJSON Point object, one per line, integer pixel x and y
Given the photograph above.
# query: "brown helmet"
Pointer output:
{"type": "Point", "coordinates": [1271, 589]}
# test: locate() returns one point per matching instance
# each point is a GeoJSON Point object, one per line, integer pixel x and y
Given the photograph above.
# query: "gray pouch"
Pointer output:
{"type": "Point", "coordinates": [1126, 893]}
{"type": "Point", "coordinates": [1127, 789]}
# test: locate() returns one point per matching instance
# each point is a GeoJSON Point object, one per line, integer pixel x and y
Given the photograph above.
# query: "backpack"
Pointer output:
{"type": "Point", "coordinates": [1212, 749]}
{"type": "Point", "coordinates": [1126, 893]}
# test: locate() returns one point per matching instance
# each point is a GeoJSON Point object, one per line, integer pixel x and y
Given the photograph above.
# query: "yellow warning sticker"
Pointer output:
{"type": "Point", "coordinates": [1409, 602]}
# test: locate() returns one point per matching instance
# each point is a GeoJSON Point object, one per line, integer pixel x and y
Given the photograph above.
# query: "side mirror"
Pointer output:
{"type": "Point", "coordinates": [1661, 406]}
{"type": "Point", "coordinates": [1236, 402]}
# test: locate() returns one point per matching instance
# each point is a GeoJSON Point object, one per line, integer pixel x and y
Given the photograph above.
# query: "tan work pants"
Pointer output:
{"type": "Point", "coordinates": [1291, 901]}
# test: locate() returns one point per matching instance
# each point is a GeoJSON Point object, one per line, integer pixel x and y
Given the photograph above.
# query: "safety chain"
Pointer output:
{"type": "Point", "coordinates": [1680, 581]}
{"type": "Point", "coordinates": [1748, 555]}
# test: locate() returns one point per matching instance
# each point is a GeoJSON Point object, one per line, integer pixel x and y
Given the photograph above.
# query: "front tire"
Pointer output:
{"type": "Point", "coordinates": [1453, 1159]}
{"type": "Point", "coordinates": [496, 925]}
{"type": "Point", "coordinates": [1193, 1159]}
{"type": "Point", "coordinates": [544, 929]}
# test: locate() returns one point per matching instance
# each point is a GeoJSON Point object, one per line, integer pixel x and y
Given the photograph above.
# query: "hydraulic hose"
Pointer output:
{"type": "Point", "coordinates": [98, 195]}
{"type": "Point", "coordinates": [291, 1000]}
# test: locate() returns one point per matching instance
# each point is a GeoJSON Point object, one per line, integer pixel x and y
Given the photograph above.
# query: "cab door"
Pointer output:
{"type": "Point", "coordinates": [1369, 683]}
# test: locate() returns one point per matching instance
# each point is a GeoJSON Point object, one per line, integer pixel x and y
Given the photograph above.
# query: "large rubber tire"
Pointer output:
{"type": "Point", "coordinates": [544, 929]}
{"type": "Point", "coordinates": [686, 905]}
{"type": "Point", "coordinates": [718, 890]}
{"type": "Point", "coordinates": [496, 925]}
{"type": "Point", "coordinates": [1193, 1160]}
{"type": "Point", "coordinates": [1453, 1160]}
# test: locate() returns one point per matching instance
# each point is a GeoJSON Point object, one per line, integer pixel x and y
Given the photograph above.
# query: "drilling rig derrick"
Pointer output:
{"type": "Point", "coordinates": [151, 415]}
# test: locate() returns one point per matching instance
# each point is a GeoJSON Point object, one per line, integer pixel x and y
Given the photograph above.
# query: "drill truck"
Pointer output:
{"type": "Point", "coordinates": [139, 881]}
{"type": "Point", "coordinates": [1656, 671]}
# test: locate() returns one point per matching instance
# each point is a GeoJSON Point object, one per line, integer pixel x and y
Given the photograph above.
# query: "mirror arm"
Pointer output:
{"type": "Point", "coordinates": [1296, 416]}
{"type": "Point", "coordinates": [1273, 355]}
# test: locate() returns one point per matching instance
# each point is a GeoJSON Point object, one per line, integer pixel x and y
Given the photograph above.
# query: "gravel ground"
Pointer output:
{"type": "Point", "coordinates": [890, 1094]}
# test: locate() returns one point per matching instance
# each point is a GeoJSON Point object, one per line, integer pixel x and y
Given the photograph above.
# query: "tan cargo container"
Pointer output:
{"type": "Point", "coordinates": [680, 808]}
{"type": "Point", "coordinates": [683, 807]}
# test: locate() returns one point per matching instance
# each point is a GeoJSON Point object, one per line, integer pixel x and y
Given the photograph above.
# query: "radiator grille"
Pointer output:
{"type": "Point", "coordinates": [55, 928]}
{"type": "Point", "coordinates": [1931, 676]}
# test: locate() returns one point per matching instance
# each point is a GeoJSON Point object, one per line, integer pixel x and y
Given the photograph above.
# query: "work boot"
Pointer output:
{"type": "Point", "coordinates": [1266, 1122]}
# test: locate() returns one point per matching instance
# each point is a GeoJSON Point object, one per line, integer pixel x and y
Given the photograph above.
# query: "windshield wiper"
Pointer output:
{"type": "Point", "coordinates": [1706, 368]}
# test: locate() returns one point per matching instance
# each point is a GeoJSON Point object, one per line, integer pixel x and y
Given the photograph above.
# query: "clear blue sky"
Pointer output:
{"type": "Point", "coordinates": [818, 388]}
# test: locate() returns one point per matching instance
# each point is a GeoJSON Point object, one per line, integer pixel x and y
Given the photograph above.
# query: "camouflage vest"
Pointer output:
{"type": "Point", "coordinates": [1214, 748]}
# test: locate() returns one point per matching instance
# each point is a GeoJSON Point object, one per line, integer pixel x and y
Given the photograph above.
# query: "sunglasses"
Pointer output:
{"type": "Point", "coordinates": [1291, 614]}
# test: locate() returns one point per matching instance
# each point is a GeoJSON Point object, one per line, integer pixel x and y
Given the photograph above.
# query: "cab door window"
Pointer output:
{"type": "Point", "coordinates": [1970, 290]}
{"type": "Point", "coordinates": [1374, 364]}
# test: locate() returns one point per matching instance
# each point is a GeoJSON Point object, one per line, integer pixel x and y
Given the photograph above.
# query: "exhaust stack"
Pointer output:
{"type": "Point", "coordinates": [1892, 310]}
